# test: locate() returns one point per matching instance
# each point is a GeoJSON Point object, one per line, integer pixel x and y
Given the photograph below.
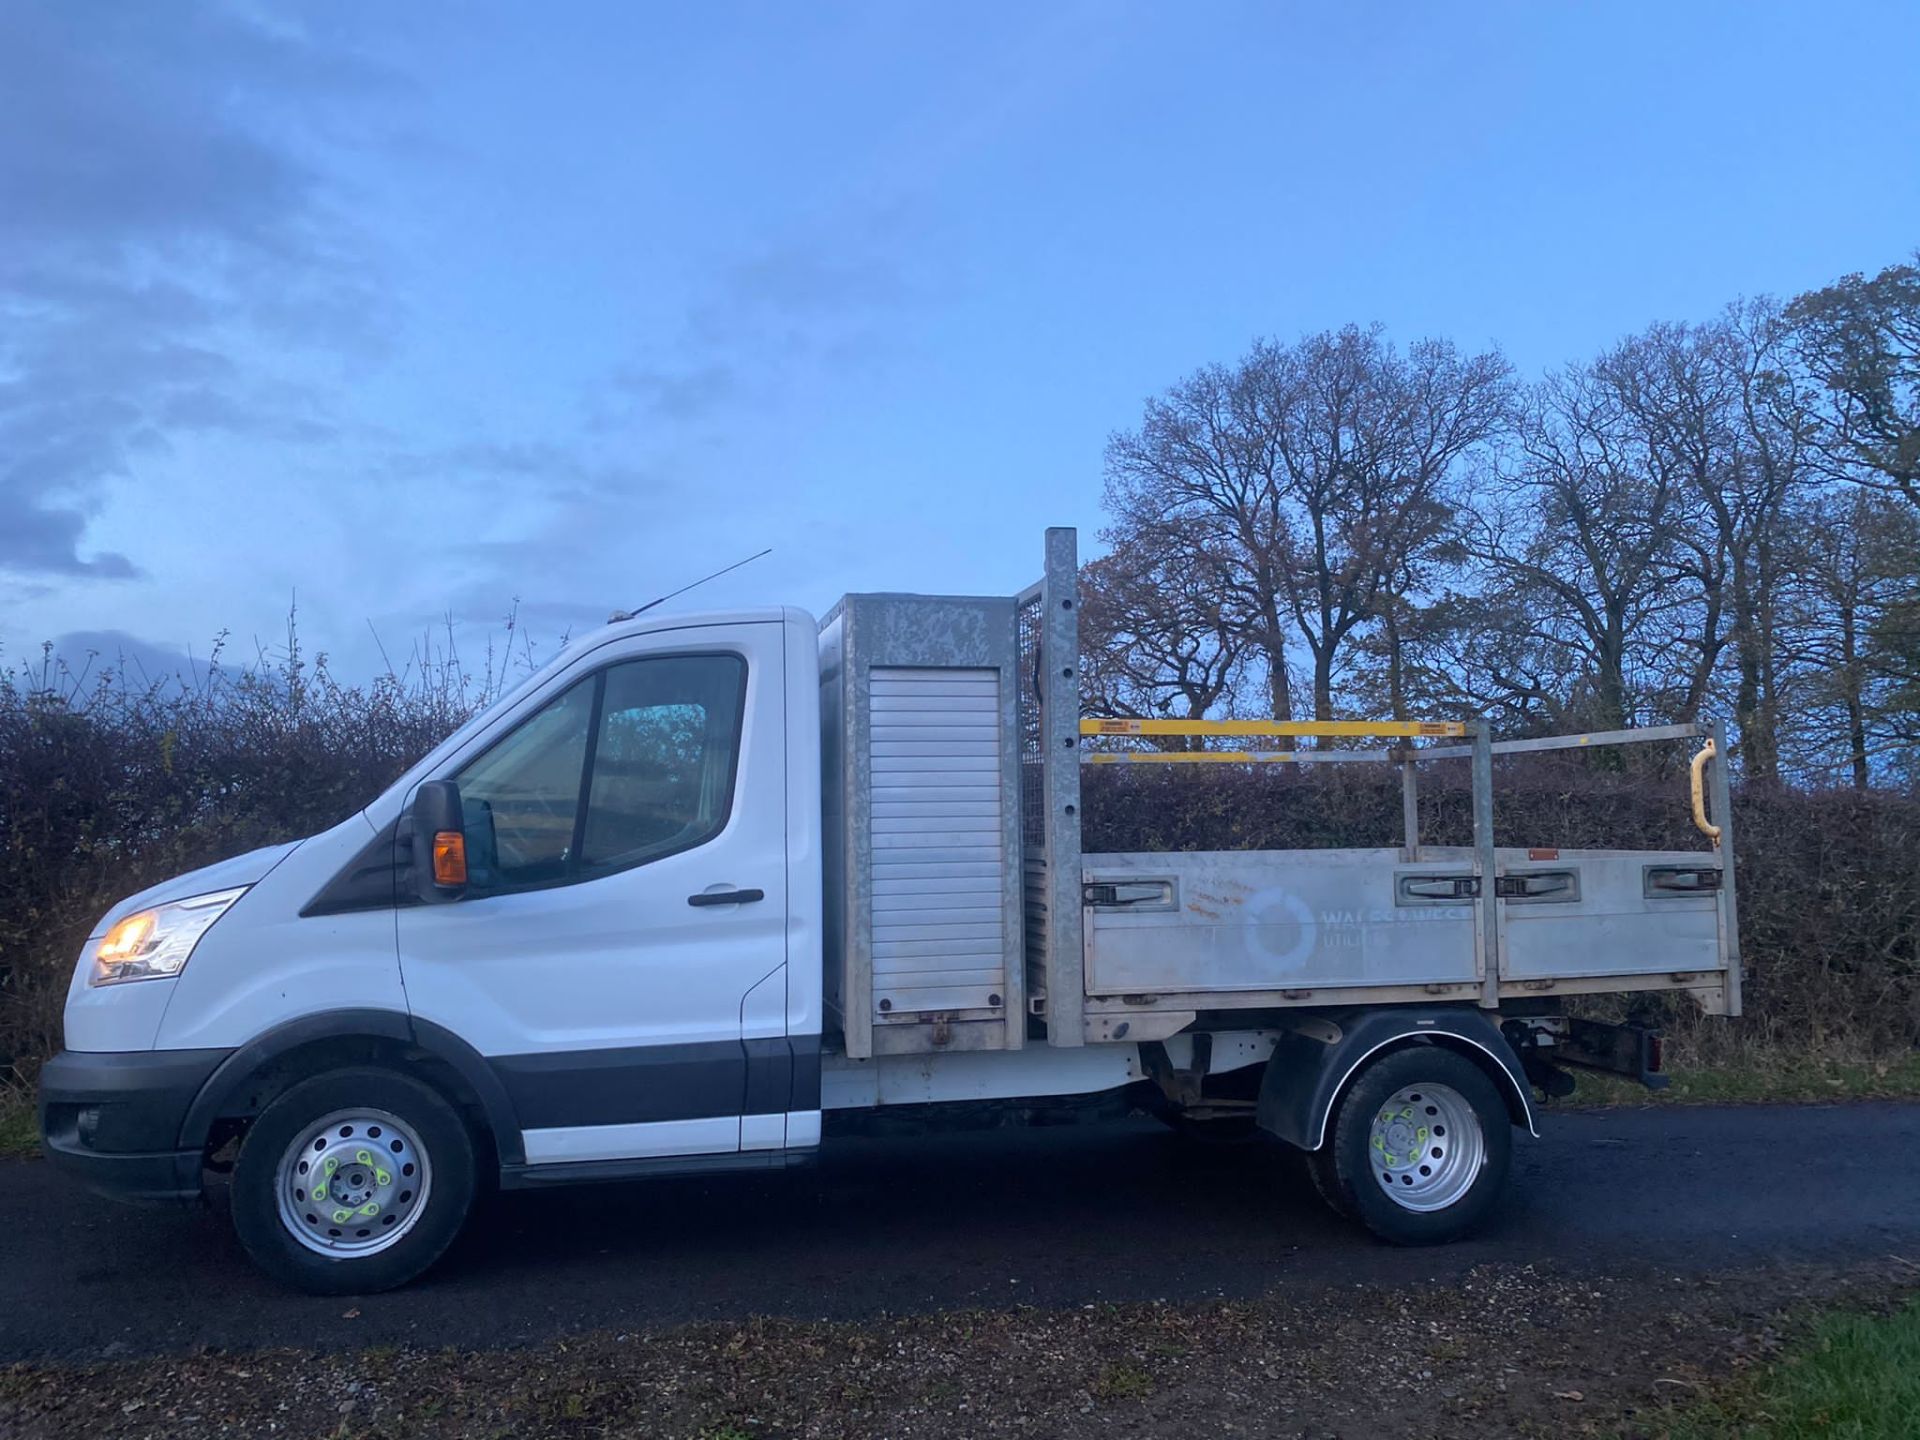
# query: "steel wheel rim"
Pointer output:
{"type": "Point", "coordinates": [1426, 1147]}
{"type": "Point", "coordinates": [353, 1183]}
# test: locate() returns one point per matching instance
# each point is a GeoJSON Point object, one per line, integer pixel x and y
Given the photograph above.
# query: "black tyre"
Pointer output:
{"type": "Point", "coordinates": [352, 1182]}
{"type": "Point", "coordinates": [1418, 1147]}
{"type": "Point", "coordinates": [1326, 1184]}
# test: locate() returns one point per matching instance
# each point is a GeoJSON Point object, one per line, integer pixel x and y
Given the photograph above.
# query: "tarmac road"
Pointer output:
{"type": "Point", "coordinates": [1062, 1217]}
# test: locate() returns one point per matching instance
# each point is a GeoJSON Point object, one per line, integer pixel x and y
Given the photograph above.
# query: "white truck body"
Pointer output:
{"type": "Point", "coordinates": [732, 871]}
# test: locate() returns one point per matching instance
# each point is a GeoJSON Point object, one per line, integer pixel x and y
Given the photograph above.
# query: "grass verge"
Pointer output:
{"type": "Point", "coordinates": [1857, 1378]}
{"type": "Point", "coordinates": [1767, 1080]}
{"type": "Point", "coordinates": [19, 1126]}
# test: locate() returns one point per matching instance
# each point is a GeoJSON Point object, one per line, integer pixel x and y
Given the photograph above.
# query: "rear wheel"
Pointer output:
{"type": "Point", "coordinates": [352, 1182]}
{"type": "Point", "coordinates": [1418, 1147]}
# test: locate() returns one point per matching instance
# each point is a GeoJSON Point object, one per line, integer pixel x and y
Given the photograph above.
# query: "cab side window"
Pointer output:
{"type": "Point", "coordinates": [633, 763]}
{"type": "Point", "coordinates": [663, 764]}
{"type": "Point", "coordinates": [521, 798]}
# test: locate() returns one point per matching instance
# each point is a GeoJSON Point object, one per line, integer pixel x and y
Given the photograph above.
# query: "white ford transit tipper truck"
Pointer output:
{"type": "Point", "coordinates": [703, 881]}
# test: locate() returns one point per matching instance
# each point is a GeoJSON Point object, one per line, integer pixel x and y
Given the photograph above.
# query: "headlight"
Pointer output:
{"type": "Point", "coordinates": [153, 944]}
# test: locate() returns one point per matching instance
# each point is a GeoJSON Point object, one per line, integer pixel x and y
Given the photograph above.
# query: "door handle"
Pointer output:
{"type": "Point", "coordinates": [1538, 885]}
{"type": "Point", "coordinates": [1682, 880]}
{"type": "Point", "coordinates": [726, 897]}
{"type": "Point", "coordinates": [1119, 894]}
{"type": "Point", "coordinates": [1437, 888]}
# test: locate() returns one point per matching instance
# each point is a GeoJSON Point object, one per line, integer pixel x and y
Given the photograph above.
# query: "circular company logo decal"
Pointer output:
{"type": "Point", "coordinates": [1274, 916]}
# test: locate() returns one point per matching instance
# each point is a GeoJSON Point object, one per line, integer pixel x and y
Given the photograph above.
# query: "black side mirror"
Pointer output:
{"type": "Point", "coordinates": [439, 842]}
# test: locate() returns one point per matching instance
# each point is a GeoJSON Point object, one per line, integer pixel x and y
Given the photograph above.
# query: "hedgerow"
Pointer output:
{"type": "Point", "coordinates": [110, 782]}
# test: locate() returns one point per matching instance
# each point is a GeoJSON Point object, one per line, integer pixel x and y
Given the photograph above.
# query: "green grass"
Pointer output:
{"type": "Point", "coordinates": [19, 1126]}
{"type": "Point", "coordinates": [1123, 1382]}
{"type": "Point", "coordinates": [1857, 1378]}
{"type": "Point", "coordinates": [1778, 1080]}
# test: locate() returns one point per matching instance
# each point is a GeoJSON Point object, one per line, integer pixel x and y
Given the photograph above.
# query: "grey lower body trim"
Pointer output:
{"type": "Point", "coordinates": [113, 1120]}
{"type": "Point", "coordinates": [139, 1098]}
{"type": "Point", "coordinates": [530, 1177]}
{"type": "Point", "coordinates": [171, 1177]}
{"type": "Point", "coordinates": [643, 1084]}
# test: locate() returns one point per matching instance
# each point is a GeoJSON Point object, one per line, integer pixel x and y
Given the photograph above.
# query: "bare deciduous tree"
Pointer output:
{"type": "Point", "coordinates": [1860, 339]}
{"type": "Point", "coordinates": [1581, 540]}
{"type": "Point", "coordinates": [1321, 473]}
{"type": "Point", "coordinates": [1369, 446]}
{"type": "Point", "coordinates": [1206, 457]}
{"type": "Point", "coordinates": [1155, 638]}
{"type": "Point", "coordinates": [1713, 518]}
{"type": "Point", "coordinates": [1755, 510]}
{"type": "Point", "coordinates": [1852, 631]}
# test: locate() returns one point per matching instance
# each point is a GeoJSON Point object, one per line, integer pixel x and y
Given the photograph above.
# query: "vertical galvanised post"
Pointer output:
{"type": "Point", "coordinates": [1060, 789]}
{"type": "Point", "coordinates": [1721, 785]}
{"type": "Point", "coordinates": [1486, 935]}
{"type": "Point", "coordinates": [1410, 804]}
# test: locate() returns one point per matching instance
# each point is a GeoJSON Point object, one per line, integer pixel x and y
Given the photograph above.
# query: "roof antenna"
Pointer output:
{"type": "Point", "coordinates": [619, 615]}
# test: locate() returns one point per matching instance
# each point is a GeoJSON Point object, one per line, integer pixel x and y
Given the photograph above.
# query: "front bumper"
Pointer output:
{"type": "Point", "coordinates": [112, 1120]}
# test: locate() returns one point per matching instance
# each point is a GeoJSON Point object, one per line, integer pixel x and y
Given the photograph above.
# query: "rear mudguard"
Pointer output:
{"type": "Point", "coordinates": [1317, 1056]}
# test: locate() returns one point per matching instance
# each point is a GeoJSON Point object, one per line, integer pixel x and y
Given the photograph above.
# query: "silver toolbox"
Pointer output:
{"type": "Point", "coordinates": [922, 803]}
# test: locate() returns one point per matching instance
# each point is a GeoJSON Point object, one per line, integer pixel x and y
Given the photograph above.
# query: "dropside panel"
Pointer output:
{"type": "Point", "coordinates": [1274, 920]}
{"type": "Point", "coordinates": [1612, 912]}
{"type": "Point", "coordinates": [1315, 920]}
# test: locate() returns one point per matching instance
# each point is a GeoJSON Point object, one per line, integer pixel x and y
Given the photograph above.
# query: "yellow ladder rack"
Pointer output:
{"type": "Point", "coordinates": [1340, 728]}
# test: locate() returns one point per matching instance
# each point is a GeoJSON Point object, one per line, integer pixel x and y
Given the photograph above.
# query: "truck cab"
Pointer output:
{"type": "Point", "coordinates": [625, 971]}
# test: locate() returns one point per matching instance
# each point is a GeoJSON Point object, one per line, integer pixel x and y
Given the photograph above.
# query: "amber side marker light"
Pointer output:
{"type": "Point", "coordinates": [449, 858]}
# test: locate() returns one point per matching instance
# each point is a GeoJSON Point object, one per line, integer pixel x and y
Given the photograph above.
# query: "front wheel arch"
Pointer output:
{"type": "Point", "coordinates": [258, 1072]}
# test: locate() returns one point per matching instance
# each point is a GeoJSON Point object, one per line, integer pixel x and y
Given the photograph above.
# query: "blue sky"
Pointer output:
{"type": "Point", "coordinates": [415, 310]}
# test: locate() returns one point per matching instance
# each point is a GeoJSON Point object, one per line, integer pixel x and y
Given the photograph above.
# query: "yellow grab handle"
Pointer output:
{"type": "Point", "coordinates": [1705, 826]}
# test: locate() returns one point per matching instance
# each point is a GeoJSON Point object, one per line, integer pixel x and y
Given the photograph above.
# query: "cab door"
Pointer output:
{"type": "Point", "coordinates": [626, 843]}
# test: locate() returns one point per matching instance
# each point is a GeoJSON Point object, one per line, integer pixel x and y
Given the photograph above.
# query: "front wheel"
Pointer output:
{"type": "Point", "coordinates": [1418, 1149]}
{"type": "Point", "coordinates": [352, 1182]}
